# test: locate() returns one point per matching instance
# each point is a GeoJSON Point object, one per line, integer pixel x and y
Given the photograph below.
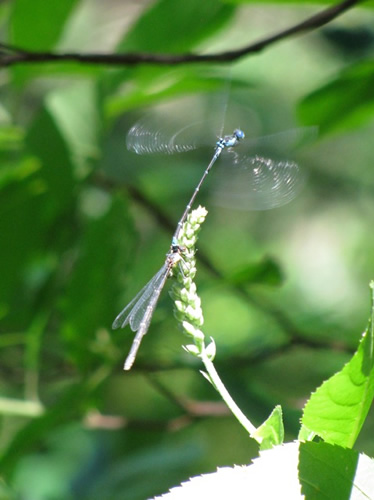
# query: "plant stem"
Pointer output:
{"type": "Point", "coordinates": [190, 315]}
{"type": "Point", "coordinates": [219, 386]}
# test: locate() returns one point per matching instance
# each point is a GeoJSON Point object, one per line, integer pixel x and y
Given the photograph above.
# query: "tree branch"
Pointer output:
{"type": "Point", "coordinates": [10, 55]}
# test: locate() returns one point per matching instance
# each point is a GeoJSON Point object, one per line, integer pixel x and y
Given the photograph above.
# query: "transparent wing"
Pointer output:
{"type": "Point", "coordinates": [184, 124]}
{"type": "Point", "coordinates": [260, 173]}
{"type": "Point", "coordinates": [177, 126]}
{"type": "Point", "coordinates": [265, 178]}
{"type": "Point", "coordinates": [139, 310]}
{"type": "Point", "coordinates": [130, 314]}
{"type": "Point", "coordinates": [256, 183]}
{"type": "Point", "coordinates": [163, 135]}
{"type": "Point", "coordinates": [277, 145]}
{"type": "Point", "coordinates": [145, 319]}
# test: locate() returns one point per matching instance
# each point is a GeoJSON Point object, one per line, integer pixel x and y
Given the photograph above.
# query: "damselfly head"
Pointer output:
{"type": "Point", "coordinates": [239, 134]}
{"type": "Point", "coordinates": [175, 247]}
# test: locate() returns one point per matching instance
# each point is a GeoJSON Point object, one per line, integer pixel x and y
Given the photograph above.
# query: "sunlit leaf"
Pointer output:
{"type": "Point", "coordinates": [75, 111]}
{"type": "Point", "coordinates": [187, 22]}
{"type": "Point", "coordinates": [162, 84]}
{"type": "Point", "coordinates": [271, 432]}
{"type": "Point", "coordinates": [37, 25]}
{"type": "Point", "coordinates": [338, 408]}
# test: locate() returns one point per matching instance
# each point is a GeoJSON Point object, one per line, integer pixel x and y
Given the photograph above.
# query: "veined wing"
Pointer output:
{"type": "Point", "coordinates": [257, 183]}
{"type": "Point", "coordinates": [151, 136]}
{"type": "Point", "coordinates": [129, 313]}
{"type": "Point", "coordinates": [144, 318]}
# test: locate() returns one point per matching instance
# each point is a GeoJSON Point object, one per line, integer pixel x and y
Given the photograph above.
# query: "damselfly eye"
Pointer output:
{"type": "Point", "coordinates": [239, 134]}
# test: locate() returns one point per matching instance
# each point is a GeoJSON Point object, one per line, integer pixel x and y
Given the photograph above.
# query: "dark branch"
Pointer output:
{"type": "Point", "coordinates": [13, 55]}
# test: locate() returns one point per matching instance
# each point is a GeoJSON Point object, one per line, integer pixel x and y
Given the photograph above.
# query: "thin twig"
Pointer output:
{"type": "Point", "coordinates": [10, 56]}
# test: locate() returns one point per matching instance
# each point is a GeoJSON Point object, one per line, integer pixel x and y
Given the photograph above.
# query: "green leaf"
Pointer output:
{"type": "Point", "coordinates": [187, 24]}
{"type": "Point", "coordinates": [17, 172]}
{"type": "Point", "coordinates": [75, 112]}
{"type": "Point", "coordinates": [306, 434]}
{"type": "Point", "coordinates": [22, 192]}
{"type": "Point", "coordinates": [266, 272]}
{"type": "Point", "coordinates": [38, 25]}
{"type": "Point", "coordinates": [156, 84]}
{"type": "Point", "coordinates": [344, 103]}
{"type": "Point", "coordinates": [34, 342]}
{"type": "Point", "coordinates": [44, 141]}
{"type": "Point", "coordinates": [90, 299]}
{"type": "Point", "coordinates": [11, 137]}
{"type": "Point", "coordinates": [337, 410]}
{"type": "Point", "coordinates": [332, 472]}
{"type": "Point", "coordinates": [271, 432]}
{"type": "Point", "coordinates": [33, 193]}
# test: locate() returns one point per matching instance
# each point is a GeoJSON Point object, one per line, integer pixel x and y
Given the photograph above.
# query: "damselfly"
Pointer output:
{"type": "Point", "coordinates": [269, 182]}
{"type": "Point", "coordinates": [257, 176]}
{"type": "Point", "coordinates": [138, 313]}
{"type": "Point", "coordinates": [228, 141]}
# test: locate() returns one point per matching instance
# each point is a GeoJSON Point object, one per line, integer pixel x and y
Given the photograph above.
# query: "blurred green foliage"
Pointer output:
{"type": "Point", "coordinates": [84, 225]}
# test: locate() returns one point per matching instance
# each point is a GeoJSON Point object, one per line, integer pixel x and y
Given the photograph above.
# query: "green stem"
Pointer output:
{"type": "Point", "coordinates": [190, 315]}
{"type": "Point", "coordinates": [218, 384]}
{"type": "Point", "coordinates": [22, 408]}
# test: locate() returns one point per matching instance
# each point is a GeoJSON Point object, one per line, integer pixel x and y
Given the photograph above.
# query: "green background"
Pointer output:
{"type": "Point", "coordinates": [84, 224]}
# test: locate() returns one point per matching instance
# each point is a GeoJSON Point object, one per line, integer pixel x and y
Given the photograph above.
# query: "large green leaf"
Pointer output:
{"type": "Point", "coordinates": [75, 111]}
{"type": "Point", "coordinates": [331, 472]}
{"type": "Point", "coordinates": [35, 192]}
{"type": "Point", "coordinates": [22, 193]}
{"type": "Point", "coordinates": [344, 103]}
{"type": "Point", "coordinates": [38, 25]}
{"type": "Point", "coordinates": [157, 84]}
{"type": "Point", "coordinates": [45, 142]}
{"type": "Point", "coordinates": [187, 24]}
{"type": "Point", "coordinates": [90, 300]}
{"type": "Point", "coordinates": [337, 410]}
